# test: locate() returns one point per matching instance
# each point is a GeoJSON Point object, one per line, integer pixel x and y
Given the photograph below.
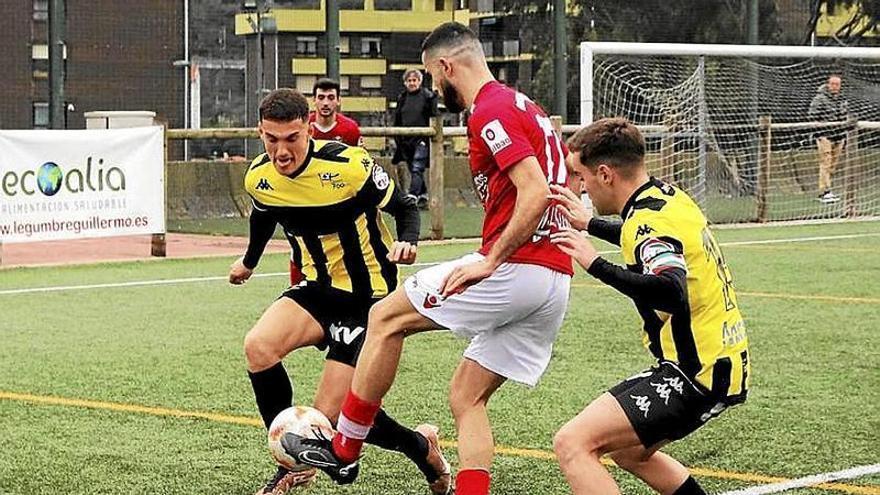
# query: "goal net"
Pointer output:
{"type": "Point", "coordinates": [733, 125]}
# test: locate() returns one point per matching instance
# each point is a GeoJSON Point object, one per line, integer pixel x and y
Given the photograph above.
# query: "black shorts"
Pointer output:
{"type": "Point", "coordinates": [342, 316]}
{"type": "Point", "coordinates": [663, 404]}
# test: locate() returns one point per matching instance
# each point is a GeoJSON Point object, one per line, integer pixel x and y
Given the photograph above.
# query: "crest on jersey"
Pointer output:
{"type": "Point", "coordinates": [380, 178]}
{"type": "Point", "coordinates": [495, 136]}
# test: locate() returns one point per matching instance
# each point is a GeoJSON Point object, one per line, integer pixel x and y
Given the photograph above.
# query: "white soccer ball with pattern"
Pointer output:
{"type": "Point", "coordinates": [301, 420]}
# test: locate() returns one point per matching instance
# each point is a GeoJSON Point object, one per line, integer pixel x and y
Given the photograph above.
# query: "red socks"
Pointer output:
{"type": "Point", "coordinates": [353, 426]}
{"type": "Point", "coordinates": [472, 482]}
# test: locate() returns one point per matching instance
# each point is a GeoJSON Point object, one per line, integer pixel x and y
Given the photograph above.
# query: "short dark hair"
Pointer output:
{"type": "Point", "coordinates": [449, 34]}
{"type": "Point", "coordinates": [284, 105]}
{"type": "Point", "coordinates": [326, 83]}
{"type": "Point", "coordinates": [614, 141]}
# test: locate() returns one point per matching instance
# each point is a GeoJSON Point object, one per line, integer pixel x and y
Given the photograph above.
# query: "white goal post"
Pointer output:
{"type": "Point", "coordinates": [737, 125]}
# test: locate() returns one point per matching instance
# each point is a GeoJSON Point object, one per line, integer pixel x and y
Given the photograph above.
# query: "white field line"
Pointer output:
{"type": "Point", "coordinates": [807, 481]}
{"type": "Point", "coordinates": [174, 281]}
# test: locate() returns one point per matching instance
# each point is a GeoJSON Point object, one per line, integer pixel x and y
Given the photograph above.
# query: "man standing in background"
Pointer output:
{"type": "Point", "coordinates": [415, 107]}
{"type": "Point", "coordinates": [828, 106]}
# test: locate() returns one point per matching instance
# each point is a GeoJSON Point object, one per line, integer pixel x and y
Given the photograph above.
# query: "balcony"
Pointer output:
{"type": "Point", "coordinates": [347, 66]}
{"type": "Point", "coordinates": [360, 21]}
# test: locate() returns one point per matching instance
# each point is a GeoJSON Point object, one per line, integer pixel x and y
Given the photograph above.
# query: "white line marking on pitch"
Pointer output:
{"type": "Point", "coordinates": [173, 281]}
{"type": "Point", "coordinates": [807, 481]}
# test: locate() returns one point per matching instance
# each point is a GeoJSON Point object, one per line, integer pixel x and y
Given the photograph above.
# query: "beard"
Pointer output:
{"type": "Point", "coordinates": [451, 97]}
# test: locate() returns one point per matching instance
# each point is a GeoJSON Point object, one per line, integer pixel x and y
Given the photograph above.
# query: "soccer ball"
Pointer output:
{"type": "Point", "coordinates": [304, 421]}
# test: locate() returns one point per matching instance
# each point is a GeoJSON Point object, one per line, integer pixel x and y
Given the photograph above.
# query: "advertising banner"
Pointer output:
{"type": "Point", "coordinates": [76, 184]}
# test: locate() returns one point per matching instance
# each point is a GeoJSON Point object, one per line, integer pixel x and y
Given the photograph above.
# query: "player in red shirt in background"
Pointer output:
{"type": "Point", "coordinates": [508, 299]}
{"type": "Point", "coordinates": [327, 124]}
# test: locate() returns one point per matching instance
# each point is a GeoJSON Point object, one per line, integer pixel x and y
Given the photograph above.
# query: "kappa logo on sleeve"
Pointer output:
{"type": "Point", "coordinates": [495, 136]}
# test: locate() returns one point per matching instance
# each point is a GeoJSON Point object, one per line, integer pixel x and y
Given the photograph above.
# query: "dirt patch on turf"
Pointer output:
{"type": "Point", "coordinates": [126, 248]}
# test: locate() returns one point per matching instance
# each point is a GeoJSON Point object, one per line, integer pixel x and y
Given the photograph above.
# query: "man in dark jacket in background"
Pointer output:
{"type": "Point", "coordinates": [828, 106]}
{"type": "Point", "coordinates": [415, 106]}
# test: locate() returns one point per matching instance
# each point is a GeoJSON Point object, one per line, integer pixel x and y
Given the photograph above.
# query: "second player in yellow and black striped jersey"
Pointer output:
{"type": "Point", "coordinates": [691, 316]}
{"type": "Point", "coordinates": [328, 209]}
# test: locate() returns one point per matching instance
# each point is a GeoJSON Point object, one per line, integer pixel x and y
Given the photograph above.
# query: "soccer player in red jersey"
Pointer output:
{"type": "Point", "coordinates": [508, 299]}
{"type": "Point", "coordinates": [326, 123]}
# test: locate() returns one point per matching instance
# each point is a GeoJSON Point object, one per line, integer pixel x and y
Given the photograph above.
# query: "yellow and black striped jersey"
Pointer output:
{"type": "Point", "coordinates": [329, 211]}
{"type": "Point", "coordinates": [663, 229]}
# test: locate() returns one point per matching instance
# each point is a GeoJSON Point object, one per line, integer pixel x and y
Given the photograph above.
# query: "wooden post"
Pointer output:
{"type": "Point", "coordinates": [764, 162]}
{"type": "Point", "coordinates": [157, 240]}
{"type": "Point", "coordinates": [436, 186]}
{"type": "Point", "coordinates": [850, 167]}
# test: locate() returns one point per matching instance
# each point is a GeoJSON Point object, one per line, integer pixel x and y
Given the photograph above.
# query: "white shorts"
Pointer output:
{"type": "Point", "coordinates": [511, 318]}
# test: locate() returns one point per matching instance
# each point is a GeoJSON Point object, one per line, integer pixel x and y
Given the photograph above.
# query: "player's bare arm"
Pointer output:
{"type": "Point", "coordinates": [531, 202]}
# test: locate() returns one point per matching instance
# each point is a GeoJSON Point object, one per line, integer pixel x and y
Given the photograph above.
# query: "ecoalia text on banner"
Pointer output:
{"type": "Point", "coordinates": [75, 184]}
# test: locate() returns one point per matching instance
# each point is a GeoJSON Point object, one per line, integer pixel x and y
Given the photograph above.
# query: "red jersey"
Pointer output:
{"type": "Point", "coordinates": [345, 130]}
{"type": "Point", "coordinates": [504, 128]}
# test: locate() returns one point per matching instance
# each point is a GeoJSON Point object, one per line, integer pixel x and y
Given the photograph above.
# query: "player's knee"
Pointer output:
{"type": "Point", "coordinates": [570, 441]}
{"type": "Point", "coordinates": [384, 320]}
{"type": "Point", "coordinates": [462, 401]}
{"type": "Point", "coordinates": [258, 352]}
{"type": "Point", "coordinates": [626, 460]}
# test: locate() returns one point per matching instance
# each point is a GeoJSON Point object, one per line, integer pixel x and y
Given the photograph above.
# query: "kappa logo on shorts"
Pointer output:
{"type": "Point", "coordinates": [432, 301]}
{"type": "Point", "coordinates": [662, 390]}
{"type": "Point", "coordinates": [642, 402]}
{"type": "Point", "coordinates": [676, 383]}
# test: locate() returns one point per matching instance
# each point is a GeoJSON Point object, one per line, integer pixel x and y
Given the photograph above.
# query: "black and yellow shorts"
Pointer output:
{"type": "Point", "coordinates": [663, 404]}
{"type": "Point", "coordinates": [341, 314]}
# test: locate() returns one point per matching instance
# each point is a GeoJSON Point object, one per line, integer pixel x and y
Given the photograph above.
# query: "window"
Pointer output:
{"type": "Point", "coordinates": [439, 5]}
{"type": "Point", "coordinates": [511, 48]}
{"type": "Point", "coordinates": [372, 47]}
{"type": "Point", "coordinates": [393, 4]}
{"type": "Point", "coordinates": [40, 68]}
{"type": "Point", "coordinates": [351, 4]}
{"type": "Point", "coordinates": [343, 83]}
{"type": "Point", "coordinates": [502, 74]}
{"type": "Point", "coordinates": [485, 6]}
{"type": "Point", "coordinates": [371, 82]}
{"type": "Point", "coordinates": [487, 48]}
{"type": "Point", "coordinates": [41, 115]}
{"type": "Point", "coordinates": [306, 45]}
{"type": "Point", "coordinates": [345, 45]}
{"type": "Point", "coordinates": [304, 84]}
{"type": "Point", "coordinates": [41, 10]}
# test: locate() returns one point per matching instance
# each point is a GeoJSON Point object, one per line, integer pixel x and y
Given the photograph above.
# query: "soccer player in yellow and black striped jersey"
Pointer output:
{"type": "Point", "coordinates": [326, 196]}
{"type": "Point", "coordinates": [683, 290]}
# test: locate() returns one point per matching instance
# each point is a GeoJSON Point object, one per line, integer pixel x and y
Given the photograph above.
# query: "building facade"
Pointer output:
{"type": "Point", "coordinates": [111, 61]}
{"type": "Point", "coordinates": [379, 40]}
